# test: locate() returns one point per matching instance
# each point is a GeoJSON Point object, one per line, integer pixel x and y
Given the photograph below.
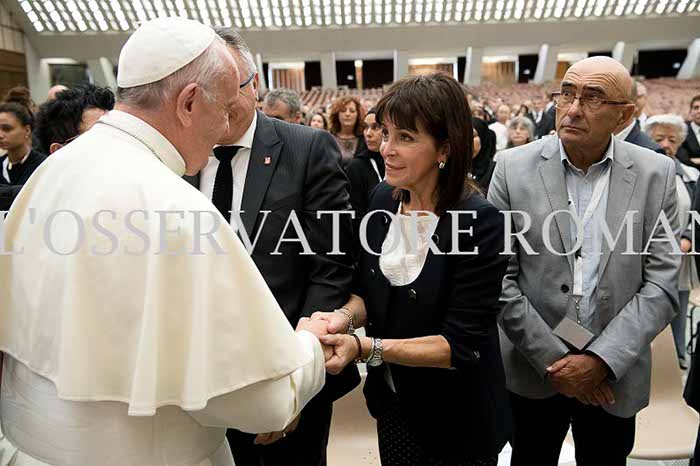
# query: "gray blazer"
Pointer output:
{"type": "Point", "coordinates": [637, 295]}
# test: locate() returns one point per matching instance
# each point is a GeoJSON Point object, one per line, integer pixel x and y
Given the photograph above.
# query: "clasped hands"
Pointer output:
{"type": "Point", "coordinates": [339, 349]}
{"type": "Point", "coordinates": [582, 376]}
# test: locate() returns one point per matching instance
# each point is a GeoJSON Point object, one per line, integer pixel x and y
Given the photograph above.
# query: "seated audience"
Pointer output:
{"type": "Point", "coordinates": [71, 113]}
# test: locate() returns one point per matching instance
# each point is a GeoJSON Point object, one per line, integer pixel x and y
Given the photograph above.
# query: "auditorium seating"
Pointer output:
{"type": "Point", "coordinates": [666, 95]}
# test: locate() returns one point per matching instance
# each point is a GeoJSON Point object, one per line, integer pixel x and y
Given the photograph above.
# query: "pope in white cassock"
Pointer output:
{"type": "Point", "coordinates": [135, 328]}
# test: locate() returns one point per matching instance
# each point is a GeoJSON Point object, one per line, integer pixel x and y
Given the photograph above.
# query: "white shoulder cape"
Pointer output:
{"type": "Point", "coordinates": [150, 329]}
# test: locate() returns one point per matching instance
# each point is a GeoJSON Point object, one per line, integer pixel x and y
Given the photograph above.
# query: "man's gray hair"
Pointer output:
{"type": "Point", "coordinates": [526, 123]}
{"type": "Point", "coordinates": [236, 42]}
{"type": "Point", "coordinates": [668, 119]}
{"type": "Point", "coordinates": [204, 70]}
{"type": "Point", "coordinates": [287, 96]}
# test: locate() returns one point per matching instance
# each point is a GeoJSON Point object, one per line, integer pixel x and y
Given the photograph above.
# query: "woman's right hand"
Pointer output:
{"type": "Point", "coordinates": [336, 322]}
{"type": "Point", "coordinates": [345, 351]}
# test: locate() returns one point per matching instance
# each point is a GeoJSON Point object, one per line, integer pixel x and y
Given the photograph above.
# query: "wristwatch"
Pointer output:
{"type": "Point", "coordinates": [376, 356]}
{"type": "Point", "coordinates": [351, 323]}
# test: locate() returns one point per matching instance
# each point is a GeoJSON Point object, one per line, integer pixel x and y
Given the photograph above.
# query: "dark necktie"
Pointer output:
{"type": "Point", "coordinates": [222, 196]}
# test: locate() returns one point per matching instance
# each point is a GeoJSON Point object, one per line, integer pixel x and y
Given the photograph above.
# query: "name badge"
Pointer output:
{"type": "Point", "coordinates": [574, 334]}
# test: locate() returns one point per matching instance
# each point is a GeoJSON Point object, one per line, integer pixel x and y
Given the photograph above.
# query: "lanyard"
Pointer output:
{"type": "Point", "coordinates": [592, 206]}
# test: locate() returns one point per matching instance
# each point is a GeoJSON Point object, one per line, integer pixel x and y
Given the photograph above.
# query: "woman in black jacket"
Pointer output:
{"type": "Point", "coordinates": [482, 159]}
{"type": "Point", "coordinates": [366, 170]}
{"type": "Point", "coordinates": [429, 281]}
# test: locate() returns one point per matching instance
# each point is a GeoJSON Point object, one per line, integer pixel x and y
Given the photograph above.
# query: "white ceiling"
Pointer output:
{"type": "Point", "coordinates": [72, 16]}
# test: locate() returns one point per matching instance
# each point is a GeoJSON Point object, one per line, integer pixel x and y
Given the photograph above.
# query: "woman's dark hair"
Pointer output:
{"type": "Point", "coordinates": [20, 112]}
{"type": "Point", "coordinates": [439, 104]}
{"type": "Point", "coordinates": [20, 95]}
{"type": "Point", "coordinates": [487, 137]}
{"type": "Point", "coordinates": [371, 111]}
{"type": "Point", "coordinates": [338, 106]}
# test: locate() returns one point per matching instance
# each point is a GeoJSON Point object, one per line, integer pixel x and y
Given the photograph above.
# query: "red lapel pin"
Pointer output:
{"type": "Point", "coordinates": [268, 160]}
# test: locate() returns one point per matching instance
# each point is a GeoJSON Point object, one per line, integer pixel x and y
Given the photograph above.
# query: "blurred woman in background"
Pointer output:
{"type": "Point", "coordinates": [347, 124]}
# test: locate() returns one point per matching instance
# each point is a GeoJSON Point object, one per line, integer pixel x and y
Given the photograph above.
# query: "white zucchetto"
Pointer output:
{"type": "Point", "coordinates": [161, 47]}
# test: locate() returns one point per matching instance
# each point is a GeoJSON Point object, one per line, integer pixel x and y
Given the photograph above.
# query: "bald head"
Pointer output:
{"type": "Point", "coordinates": [604, 72]}
{"type": "Point", "coordinates": [55, 90]}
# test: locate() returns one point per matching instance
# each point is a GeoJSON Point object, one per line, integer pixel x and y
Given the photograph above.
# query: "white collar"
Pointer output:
{"type": "Point", "coordinates": [149, 136]}
{"type": "Point", "coordinates": [622, 135]}
{"type": "Point", "coordinates": [695, 126]}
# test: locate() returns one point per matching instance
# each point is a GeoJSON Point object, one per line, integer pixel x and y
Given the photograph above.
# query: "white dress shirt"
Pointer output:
{"type": "Point", "coordinates": [622, 135]}
{"type": "Point", "coordinates": [239, 166]}
{"type": "Point", "coordinates": [501, 131]}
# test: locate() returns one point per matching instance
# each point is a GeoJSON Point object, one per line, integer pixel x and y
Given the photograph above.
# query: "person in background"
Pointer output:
{"type": "Point", "coordinates": [669, 131]}
{"type": "Point", "coordinates": [283, 104]}
{"type": "Point", "coordinates": [435, 379]}
{"type": "Point", "coordinates": [500, 127]}
{"type": "Point", "coordinates": [365, 171]}
{"type": "Point", "coordinates": [22, 96]}
{"type": "Point", "coordinates": [317, 120]}
{"type": "Point", "coordinates": [544, 124]}
{"type": "Point", "coordinates": [482, 156]}
{"type": "Point", "coordinates": [631, 130]}
{"type": "Point", "coordinates": [53, 92]}
{"type": "Point", "coordinates": [70, 114]}
{"type": "Point", "coordinates": [347, 118]}
{"type": "Point", "coordinates": [521, 130]}
{"type": "Point", "coordinates": [523, 111]}
{"type": "Point", "coordinates": [689, 153]}
{"type": "Point", "coordinates": [639, 94]}
{"type": "Point", "coordinates": [20, 160]}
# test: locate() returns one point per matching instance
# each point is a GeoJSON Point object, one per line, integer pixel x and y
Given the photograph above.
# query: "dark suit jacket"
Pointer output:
{"type": "Point", "coordinates": [463, 411]}
{"type": "Point", "coordinates": [639, 138]}
{"type": "Point", "coordinates": [363, 179]}
{"type": "Point", "coordinates": [545, 125]}
{"type": "Point", "coordinates": [304, 176]}
{"type": "Point", "coordinates": [20, 175]}
{"type": "Point", "coordinates": [689, 149]}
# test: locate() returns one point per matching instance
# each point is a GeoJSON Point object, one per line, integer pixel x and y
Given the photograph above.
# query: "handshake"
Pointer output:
{"type": "Point", "coordinates": [331, 330]}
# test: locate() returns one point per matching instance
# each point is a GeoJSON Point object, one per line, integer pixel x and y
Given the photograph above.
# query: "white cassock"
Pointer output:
{"type": "Point", "coordinates": [137, 357]}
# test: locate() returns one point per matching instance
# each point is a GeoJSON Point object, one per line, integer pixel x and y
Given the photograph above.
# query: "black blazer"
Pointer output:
{"type": "Point", "coordinates": [545, 126]}
{"type": "Point", "coordinates": [20, 175]}
{"type": "Point", "coordinates": [690, 148]}
{"type": "Point", "coordinates": [639, 138]}
{"type": "Point", "coordinates": [463, 411]}
{"type": "Point", "coordinates": [303, 175]}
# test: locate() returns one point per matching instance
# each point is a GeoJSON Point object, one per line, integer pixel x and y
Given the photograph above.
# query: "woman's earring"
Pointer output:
{"type": "Point", "coordinates": [441, 165]}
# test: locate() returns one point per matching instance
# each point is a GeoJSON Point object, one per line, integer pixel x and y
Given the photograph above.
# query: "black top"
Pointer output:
{"type": "Point", "coordinates": [463, 411]}
{"type": "Point", "coordinates": [690, 148]}
{"type": "Point", "coordinates": [483, 164]}
{"type": "Point", "coordinates": [19, 174]}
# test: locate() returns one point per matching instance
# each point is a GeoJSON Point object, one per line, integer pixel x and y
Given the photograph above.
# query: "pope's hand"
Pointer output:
{"type": "Point", "coordinates": [272, 437]}
{"type": "Point", "coordinates": [319, 329]}
{"type": "Point", "coordinates": [336, 322]}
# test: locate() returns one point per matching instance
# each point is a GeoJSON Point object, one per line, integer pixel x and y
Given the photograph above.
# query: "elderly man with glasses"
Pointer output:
{"type": "Point", "coordinates": [592, 279]}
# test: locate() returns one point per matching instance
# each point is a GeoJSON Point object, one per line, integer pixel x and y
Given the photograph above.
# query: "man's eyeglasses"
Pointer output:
{"type": "Point", "coordinates": [247, 81]}
{"type": "Point", "coordinates": [564, 100]}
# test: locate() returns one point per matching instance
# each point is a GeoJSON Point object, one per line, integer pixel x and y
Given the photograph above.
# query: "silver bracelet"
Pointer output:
{"type": "Point", "coordinates": [351, 324]}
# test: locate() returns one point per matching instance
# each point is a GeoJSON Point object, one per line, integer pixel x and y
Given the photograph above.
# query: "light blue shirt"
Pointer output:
{"type": "Point", "coordinates": [581, 186]}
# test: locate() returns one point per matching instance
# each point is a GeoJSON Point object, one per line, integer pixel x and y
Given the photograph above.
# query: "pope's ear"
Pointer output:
{"type": "Point", "coordinates": [54, 147]}
{"type": "Point", "coordinates": [185, 103]}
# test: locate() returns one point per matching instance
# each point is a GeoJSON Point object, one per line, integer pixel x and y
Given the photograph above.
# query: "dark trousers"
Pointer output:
{"type": "Point", "coordinates": [540, 427]}
{"type": "Point", "coordinates": [306, 446]}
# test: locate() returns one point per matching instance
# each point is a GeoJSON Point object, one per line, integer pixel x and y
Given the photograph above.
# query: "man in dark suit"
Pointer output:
{"type": "Point", "coordinates": [544, 123]}
{"type": "Point", "coordinates": [292, 171]}
{"type": "Point", "coordinates": [689, 152]}
{"type": "Point", "coordinates": [631, 130]}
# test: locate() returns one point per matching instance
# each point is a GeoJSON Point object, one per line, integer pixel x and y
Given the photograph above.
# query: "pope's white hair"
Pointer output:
{"type": "Point", "coordinates": [668, 119]}
{"type": "Point", "coordinates": [204, 70]}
